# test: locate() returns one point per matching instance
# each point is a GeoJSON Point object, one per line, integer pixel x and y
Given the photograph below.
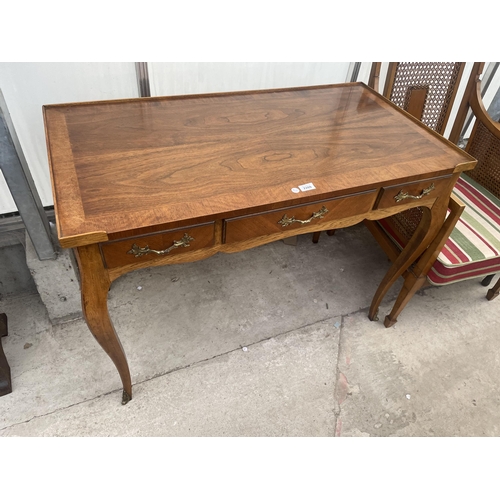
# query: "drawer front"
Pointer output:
{"type": "Point", "coordinates": [409, 193]}
{"type": "Point", "coordinates": [286, 219]}
{"type": "Point", "coordinates": [155, 246]}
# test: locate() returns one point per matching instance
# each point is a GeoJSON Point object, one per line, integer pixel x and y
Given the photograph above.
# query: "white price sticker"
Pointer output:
{"type": "Point", "coordinates": [307, 187]}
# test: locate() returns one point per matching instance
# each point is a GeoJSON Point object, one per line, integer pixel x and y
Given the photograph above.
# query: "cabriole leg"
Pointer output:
{"type": "Point", "coordinates": [95, 284]}
{"type": "Point", "coordinates": [409, 254]}
{"type": "Point", "coordinates": [430, 227]}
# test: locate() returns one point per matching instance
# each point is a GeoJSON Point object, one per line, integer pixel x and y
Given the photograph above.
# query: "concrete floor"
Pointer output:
{"type": "Point", "coordinates": [274, 341]}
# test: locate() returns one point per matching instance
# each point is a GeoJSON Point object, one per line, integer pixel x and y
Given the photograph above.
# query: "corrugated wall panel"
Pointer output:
{"type": "Point", "coordinates": [192, 78]}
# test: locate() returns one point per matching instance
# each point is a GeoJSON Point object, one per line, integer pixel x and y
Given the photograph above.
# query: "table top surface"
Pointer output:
{"type": "Point", "coordinates": [123, 165]}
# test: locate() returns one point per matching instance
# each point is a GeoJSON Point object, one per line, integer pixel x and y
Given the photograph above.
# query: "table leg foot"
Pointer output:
{"type": "Point", "coordinates": [411, 285]}
{"type": "Point", "coordinates": [373, 316]}
{"type": "Point", "coordinates": [126, 397]}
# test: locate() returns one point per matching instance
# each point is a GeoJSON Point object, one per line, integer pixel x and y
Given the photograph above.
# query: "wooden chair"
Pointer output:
{"type": "Point", "coordinates": [426, 90]}
{"type": "Point", "coordinates": [468, 245]}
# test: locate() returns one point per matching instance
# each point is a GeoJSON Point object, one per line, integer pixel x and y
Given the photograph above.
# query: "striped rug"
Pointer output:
{"type": "Point", "coordinates": [473, 248]}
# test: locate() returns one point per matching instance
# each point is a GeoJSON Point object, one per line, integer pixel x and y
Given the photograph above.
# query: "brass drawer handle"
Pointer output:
{"type": "Point", "coordinates": [402, 196]}
{"type": "Point", "coordinates": [137, 251]}
{"type": "Point", "coordinates": [286, 221]}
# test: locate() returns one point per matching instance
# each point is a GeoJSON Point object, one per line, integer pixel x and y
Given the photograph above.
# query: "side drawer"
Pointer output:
{"type": "Point", "coordinates": [402, 194]}
{"type": "Point", "coordinates": [157, 245]}
{"type": "Point", "coordinates": [286, 219]}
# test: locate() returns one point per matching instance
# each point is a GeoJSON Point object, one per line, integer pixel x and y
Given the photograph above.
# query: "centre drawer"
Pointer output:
{"type": "Point", "coordinates": [286, 219]}
{"type": "Point", "coordinates": [157, 245]}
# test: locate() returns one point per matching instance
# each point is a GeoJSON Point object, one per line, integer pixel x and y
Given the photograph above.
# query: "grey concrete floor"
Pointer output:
{"type": "Point", "coordinates": [274, 341]}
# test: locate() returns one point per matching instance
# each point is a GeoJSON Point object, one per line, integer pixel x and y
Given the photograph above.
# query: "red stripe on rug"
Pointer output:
{"type": "Point", "coordinates": [449, 272]}
{"type": "Point", "coordinates": [478, 199]}
{"type": "Point", "coordinates": [454, 253]}
{"type": "Point", "coordinates": [438, 280]}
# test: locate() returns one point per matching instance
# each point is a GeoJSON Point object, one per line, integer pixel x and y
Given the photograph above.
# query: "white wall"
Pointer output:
{"type": "Point", "coordinates": [193, 78]}
{"type": "Point", "coordinates": [28, 86]}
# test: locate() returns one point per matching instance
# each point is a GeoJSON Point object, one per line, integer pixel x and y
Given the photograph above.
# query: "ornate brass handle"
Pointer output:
{"type": "Point", "coordinates": [286, 221]}
{"type": "Point", "coordinates": [137, 251]}
{"type": "Point", "coordinates": [402, 196]}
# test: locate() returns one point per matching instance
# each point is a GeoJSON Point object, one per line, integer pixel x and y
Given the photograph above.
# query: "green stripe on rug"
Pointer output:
{"type": "Point", "coordinates": [466, 245]}
{"type": "Point", "coordinates": [485, 230]}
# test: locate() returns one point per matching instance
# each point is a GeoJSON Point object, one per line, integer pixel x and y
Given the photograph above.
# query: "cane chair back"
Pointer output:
{"type": "Point", "coordinates": [471, 249]}
{"type": "Point", "coordinates": [426, 90]}
{"type": "Point", "coordinates": [484, 145]}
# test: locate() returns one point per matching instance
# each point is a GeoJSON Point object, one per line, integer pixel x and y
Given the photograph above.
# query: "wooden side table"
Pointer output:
{"type": "Point", "coordinates": [168, 180]}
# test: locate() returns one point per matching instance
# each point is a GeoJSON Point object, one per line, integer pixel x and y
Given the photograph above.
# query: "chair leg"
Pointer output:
{"type": "Point", "coordinates": [330, 232]}
{"type": "Point", "coordinates": [493, 292]}
{"type": "Point", "coordinates": [487, 280]}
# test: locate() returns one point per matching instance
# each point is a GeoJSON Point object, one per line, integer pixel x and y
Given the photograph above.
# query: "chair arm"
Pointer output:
{"type": "Point", "coordinates": [456, 207]}
{"type": "Point", "coordinates": [477, 106]}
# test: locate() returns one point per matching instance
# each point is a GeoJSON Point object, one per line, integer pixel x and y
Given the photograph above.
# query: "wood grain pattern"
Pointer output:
{"type": "Point", "coordinates": [416, 101]}
{"type": "Point", "coordinates": [140, 164]}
